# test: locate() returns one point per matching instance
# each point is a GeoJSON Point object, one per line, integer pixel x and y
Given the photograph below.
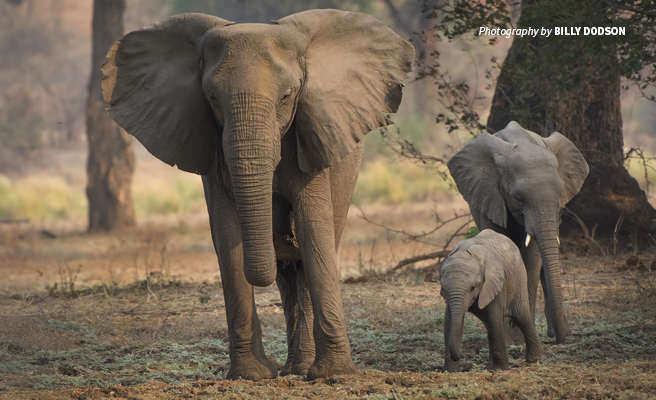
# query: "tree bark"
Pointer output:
{"type": "Point", "coordinates": [570, 86]}
{"type": "Point", "coordinates": [111, 157]}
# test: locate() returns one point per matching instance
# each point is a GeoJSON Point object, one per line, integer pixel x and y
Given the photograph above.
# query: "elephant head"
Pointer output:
{"type": "Point", "coordinates": [195, 86]}
{"type": "Point", "coordinates": [474, 273]}
{"type": "Point", "coordinates": [518, 173]}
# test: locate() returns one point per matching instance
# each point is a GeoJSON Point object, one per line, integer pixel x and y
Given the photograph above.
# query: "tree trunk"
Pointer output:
{"type": "Point", "coordinates": [574, 88]}
{"type": "Point", "coordinates": [111, 157]}
{"type": "Point", "coordinates": [592, 115]}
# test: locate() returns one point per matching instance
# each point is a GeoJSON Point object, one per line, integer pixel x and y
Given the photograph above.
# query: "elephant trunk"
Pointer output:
{"type": "Point", "coordinates": [547, 240]}
{"type": "Point", "coordinates": [251, 143]}
{"type": "Point", "coordinates": [457, 307]}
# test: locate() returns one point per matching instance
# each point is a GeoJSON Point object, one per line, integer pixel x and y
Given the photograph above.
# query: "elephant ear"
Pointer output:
{"type": "Point", "coordinates": [475, 172]}
{"type": "Point", "coordinates": [152, 83]}
{"type": "Point", "coordinates": [354, 65]}
{"type": "Point", "coordinates": [494, 277]}
{"type": "Point", "coordinates": [572, 167]}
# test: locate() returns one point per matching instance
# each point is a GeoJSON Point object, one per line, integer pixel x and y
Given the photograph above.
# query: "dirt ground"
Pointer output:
{"type": "Point", "coordinates": [140, 316]}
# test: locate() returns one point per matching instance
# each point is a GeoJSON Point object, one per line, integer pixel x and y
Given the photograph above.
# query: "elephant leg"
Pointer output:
{"type": "Point", "coordinates": [297, 306]}
{"type": "Point", "coordinates": [521, 314]}
{"type": "Point", "coordinates": [550, 324]}
{"type": "Point", "coordinates": [247, 357]}
{"type": "Point", "coordinates": [449, 364]}
{"type": "Point", "coordinates": [304, 346]}
{"type": "Point", "coordinates": [512, 333]}
{"type": "Point", "coordinates": [286, 281]}
{"type": "Point", "coordinates": [493, 318]}
{"type": "Point", "coordinates": [316, 238]}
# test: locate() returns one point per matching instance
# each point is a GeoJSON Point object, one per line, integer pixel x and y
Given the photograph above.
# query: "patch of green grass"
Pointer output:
{"type": "Point", "coordinates": [396, 183]}
{"type": "Point", "coordinates": [40, 197]}
{"type": "Point", "coordinates": [46, 197]}
{"type": "Point", "coordinates": [179, 194]}
{"type": "Point", "coordinates": [83, 331]}
{"type": "Point", "coordinates": [450, 391]}
{"type": "Point", "coordinates": [103, 365]}
{"type": "Point", "coordinates": [275, 344]}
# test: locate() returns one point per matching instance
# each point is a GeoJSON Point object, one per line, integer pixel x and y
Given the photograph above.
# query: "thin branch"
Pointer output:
{"type": "Point", "coordinates": [417, 238]}
{"type": "Point", "coordinates": [618, 225]}
{"type": "Point", "coordinates": [423, 257]}
{"type": "Point", "coordinates": [586, 233]}
{"type": "Point", "coordinates": [14, 221]}
{"type": "Point", "coordinates": [411, 236]}
{"type": "Point", "coordinates": [626, 7]}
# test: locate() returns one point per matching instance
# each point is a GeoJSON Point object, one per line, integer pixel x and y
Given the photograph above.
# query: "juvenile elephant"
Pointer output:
{"type": "Point", "coordinates": [515, 182]}
{"type": "Point", "coordinates": [273, 117]}
{"type": "Point", "coordinates": [486, 275]}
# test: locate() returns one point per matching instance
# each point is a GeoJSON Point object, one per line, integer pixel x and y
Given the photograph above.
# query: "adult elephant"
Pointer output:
{"type": "Point", "coordinates": [515, 182]}
{"type": "Point", "coordinates": [273, 117]}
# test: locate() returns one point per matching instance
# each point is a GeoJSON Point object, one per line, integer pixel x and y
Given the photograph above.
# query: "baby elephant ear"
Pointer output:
{"type": "Point", "coordinates": [152, 83]}
{"type": "Point", "coordinates": [494, 277]}
{"type": "Point", "coordinates": [354, 65]}
{"type": "Point", "coordinates": [572, 167]}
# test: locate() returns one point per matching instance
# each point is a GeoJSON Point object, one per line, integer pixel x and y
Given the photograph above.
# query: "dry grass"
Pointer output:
{"type": "Point", "coordinates": [144, 318]}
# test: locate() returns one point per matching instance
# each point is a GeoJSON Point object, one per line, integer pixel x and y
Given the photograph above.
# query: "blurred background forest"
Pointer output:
{"type": "Point", "coordinates": [45, 65]}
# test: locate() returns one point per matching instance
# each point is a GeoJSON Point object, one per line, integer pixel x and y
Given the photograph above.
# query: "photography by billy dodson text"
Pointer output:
{"type": "Point", "coordinates": [556, 31]}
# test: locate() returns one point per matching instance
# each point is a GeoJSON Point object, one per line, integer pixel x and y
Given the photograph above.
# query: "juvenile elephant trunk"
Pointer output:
{"type": "Point", "coordinates": [455, 335]}
{"type": "Point", "coordinates": [547, 240]}
{"type": "Point", "coordinates": [252, 155]}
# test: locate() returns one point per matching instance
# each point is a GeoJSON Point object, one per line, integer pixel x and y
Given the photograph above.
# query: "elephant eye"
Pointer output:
{"type": "Point", "coordinates": [287, 94]}
{"type": "Point", "coordinates": [520, 199]}
{"type": "Point", "coordinates": [472, 288]}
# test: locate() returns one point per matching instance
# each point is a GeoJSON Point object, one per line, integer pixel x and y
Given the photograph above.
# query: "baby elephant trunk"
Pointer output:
{"type": "Point", "coordinates": [455, 336]}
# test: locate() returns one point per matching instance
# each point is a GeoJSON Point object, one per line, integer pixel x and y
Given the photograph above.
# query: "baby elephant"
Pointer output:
{"type": "Point", "coordinates": [486, 275]}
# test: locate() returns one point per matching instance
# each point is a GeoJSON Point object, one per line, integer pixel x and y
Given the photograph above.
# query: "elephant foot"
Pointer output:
{"type": "Point", "coordinates": [327, 368]}
{"type": "Point", "coordinates": [451, 366]}
{"type": "Point", "coordinates": [300, 368]}
{"type": "Point", "coordinates": [498, 365]}
{"type": "Point", "coordinates": [551, 331]}
{"type": "Point", "coordinates": [287, 368]}
{"type": "Point", "coordinates": [251, 369]}
{"type": "Point", "coordinates": [535, 354]}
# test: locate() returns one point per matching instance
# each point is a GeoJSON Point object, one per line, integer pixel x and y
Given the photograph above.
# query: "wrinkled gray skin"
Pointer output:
{"type": "Point", "coordinates": [485, 275]}
{"type": "Point", "coordinates": [272, 116]}
{"type": "Point", "coordinates": [515, 182]}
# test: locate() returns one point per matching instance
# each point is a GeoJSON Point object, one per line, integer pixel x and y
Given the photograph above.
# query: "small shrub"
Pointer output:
{"type": "Point", "coordinates": [473, 231]}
